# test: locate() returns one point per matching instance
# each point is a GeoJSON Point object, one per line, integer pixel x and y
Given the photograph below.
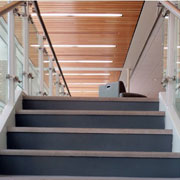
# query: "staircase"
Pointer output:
{"type": "Point", "coordinates": [89, 139]}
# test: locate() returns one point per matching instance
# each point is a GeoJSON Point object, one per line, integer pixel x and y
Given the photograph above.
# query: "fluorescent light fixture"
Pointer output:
{"type": "Point", "coordinates": [82, 61]}
{"type": "Point", "coordinates": [178, 62]}
{"type": "Point", "coordinates": [76, 46]}
{"type": "Point", "coordinates": [83, 91]}
{"type": "Point", "coordinates": [87, 83]}
{"type": "Point", "coordinates": [166, 17]}
{"type": "Point", "coordinates": [82, 74]}
{"type": "Point", "coordinates": [78, 15]}
{"type": "Point", "coordinates": [86, 74]}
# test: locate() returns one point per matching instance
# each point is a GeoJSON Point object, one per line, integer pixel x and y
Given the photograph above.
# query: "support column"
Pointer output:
{"type": "Point", "coordinates": [50, 77]}
{"type": "Point", "coordinates": [26, 80]}
{"type": "Point", "coordinates": [11, 59]}
{"type": "Point", "coordinates": [171, 59]}
{"type": "Point", "coordinates": [41, 65]}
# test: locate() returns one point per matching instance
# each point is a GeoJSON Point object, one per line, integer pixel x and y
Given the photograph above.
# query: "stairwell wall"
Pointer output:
{"type": "Point", "coordinates": [7, 118]}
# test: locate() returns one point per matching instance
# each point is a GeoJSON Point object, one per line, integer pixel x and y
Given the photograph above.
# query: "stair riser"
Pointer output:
{"type": "Point", "coordinates": [89, 105]}
{"type": "Point", "coordinates": [104, 142]}
{"type": "Point", "coordinates": [90, 121]}
{"type": "Point", "coordinates": [89, 166]}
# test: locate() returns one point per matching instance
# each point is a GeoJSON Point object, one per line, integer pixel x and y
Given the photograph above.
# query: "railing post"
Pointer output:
{"type": "Point", "coordinates": [171, 59]}
{"type": "Point", "coordinates": [57, 84]}
{"type": "Point", "coordinates": [50, 77]}
{"type": "Point", "coordinates": [30, 87]}
{"type": "Point", "coordinates": [128, 80]}
{"type": "Point", "coordinates": [41, 65]}
{"type": "Point", "coordinates": [11, 59]}
{"type": "Point", "coordinates": [26, 80]}
{"type": "Point", "coordinates": [61, 90]}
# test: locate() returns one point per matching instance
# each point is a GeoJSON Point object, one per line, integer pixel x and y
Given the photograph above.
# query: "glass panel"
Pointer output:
{"type": "Point", "coordinates": [177, 70]}
{"type": "Point", "coordinates": [165, 37]}
{"type": "Point", "coordinates": [33, 83]}
{"type": "Point", "coordinates": [3, 63]}
{"type": "Point", "coordinates": [18, 23]}
{"type": "Point", "coordinates": [46, 72]}
{"type": "Point", "coordinates": [33, 58]}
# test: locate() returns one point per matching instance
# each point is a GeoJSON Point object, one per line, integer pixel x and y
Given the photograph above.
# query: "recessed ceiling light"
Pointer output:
{"type": "Point", "coordinates": [78, 15]}
{"type": "Point", "coordinates": [76, 46]}
{"type": "Point", "coordinates": [82, 61]}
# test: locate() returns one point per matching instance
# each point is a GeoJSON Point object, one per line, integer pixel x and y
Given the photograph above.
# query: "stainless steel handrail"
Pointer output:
{"type": "Point", "coordinates": [171, 7]}
{"type": "Point", "coordinates": [49, 42]}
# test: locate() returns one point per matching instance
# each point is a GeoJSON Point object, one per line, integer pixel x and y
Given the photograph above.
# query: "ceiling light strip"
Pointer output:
{"type": "Point", "coordinates": [78, 15]}
{"type": "Point", "coordinates": [95, 83]}
{"type": "Point", "coordinates": [83, 61]}
{"type": "Point", "coordinates": [83, 74]}
{"type": "Point", "coordinates": [76, 46]}
{"type": "Point", "coordinates": [83, 91]}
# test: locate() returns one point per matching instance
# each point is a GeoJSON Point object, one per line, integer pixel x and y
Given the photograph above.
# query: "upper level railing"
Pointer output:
{"type": "Point", "coordinates": [21, 64]}
{"type": "Point", "coordinates": [171, 48]}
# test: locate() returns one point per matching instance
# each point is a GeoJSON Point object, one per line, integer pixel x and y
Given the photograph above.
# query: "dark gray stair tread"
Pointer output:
{"type": "Point", "coordinates": [69, 103]}
{"type": "Point", "coordinates": [90, 130]}
{"type": "Point", "coordinates": [58, 98]}
{"type": "Point", "coordinates": [91, 119]}
{"type": "Point", "coordinates": [96, 139]}
{"type": "Point", "coordinates": [77, 178]}
{"type": "Point", "coordinates": [67, 153]}
{"type": "Point", "coordinates": [92, 112]}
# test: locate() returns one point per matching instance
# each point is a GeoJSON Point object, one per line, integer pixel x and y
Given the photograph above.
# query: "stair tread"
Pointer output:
{"type": "Point", "coordinates": [77, 178]}
{"type": "Point", "coordinates": [75, 153]}
{"type": "Point", "coordinates": [90, 130]}
{"type": "Point", "coordinates": [58, 98]}
{"type": "Point", "coordinates": [92, 112]}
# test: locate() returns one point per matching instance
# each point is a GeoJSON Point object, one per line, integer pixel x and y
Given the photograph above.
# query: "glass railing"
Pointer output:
{"type": "Point", "coordinates": [177, 65]}
{"type": "Point", "coordinates": [171, 56]}
{"type": "Point", "coordinates": [3, 63]}
{"type": "Point", "coordinates": [32, 74]}
{"type": "Point", "coordinates": [18, 32]}
{"type": "Point", "coordinates": [165, 46]}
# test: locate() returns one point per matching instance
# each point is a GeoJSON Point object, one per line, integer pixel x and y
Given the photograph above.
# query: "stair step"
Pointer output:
{"type": "Point", "coordinates": [90, 163]}
{"type": "Point", "coordinates": [77, 178]}
{"type": "Point", "coordinates": [91, 130]}
{"type": "Point", "coordinates": [90, 139]}
{"type": "Point", "coordinates": [91, 119]}
{"type": "Point", "coordinates": [70, 103]}
{"type": "Point", "coordinates": [60, 98]}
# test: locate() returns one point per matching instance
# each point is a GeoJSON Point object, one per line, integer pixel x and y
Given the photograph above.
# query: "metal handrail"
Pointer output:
{"type": "Point", "coordinates": [8, 7]}
{"type": "Point", "coordinates": [171, 7]}
{"type": "Point", "coordinates": [49, 42]}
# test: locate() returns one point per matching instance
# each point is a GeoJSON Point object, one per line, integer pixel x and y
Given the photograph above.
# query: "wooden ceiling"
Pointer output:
{"type": "Point", "coordinates": [91, 31]}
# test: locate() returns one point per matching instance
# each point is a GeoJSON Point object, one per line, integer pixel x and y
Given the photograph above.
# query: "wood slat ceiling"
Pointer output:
{"type": "Point", "coordinates": [91, 31]}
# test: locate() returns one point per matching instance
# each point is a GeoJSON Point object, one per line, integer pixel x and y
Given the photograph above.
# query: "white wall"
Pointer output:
{"type": "Point", "coordinates": [147, 75]}
{"type": "Point", "coordinates": [7, 118]}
